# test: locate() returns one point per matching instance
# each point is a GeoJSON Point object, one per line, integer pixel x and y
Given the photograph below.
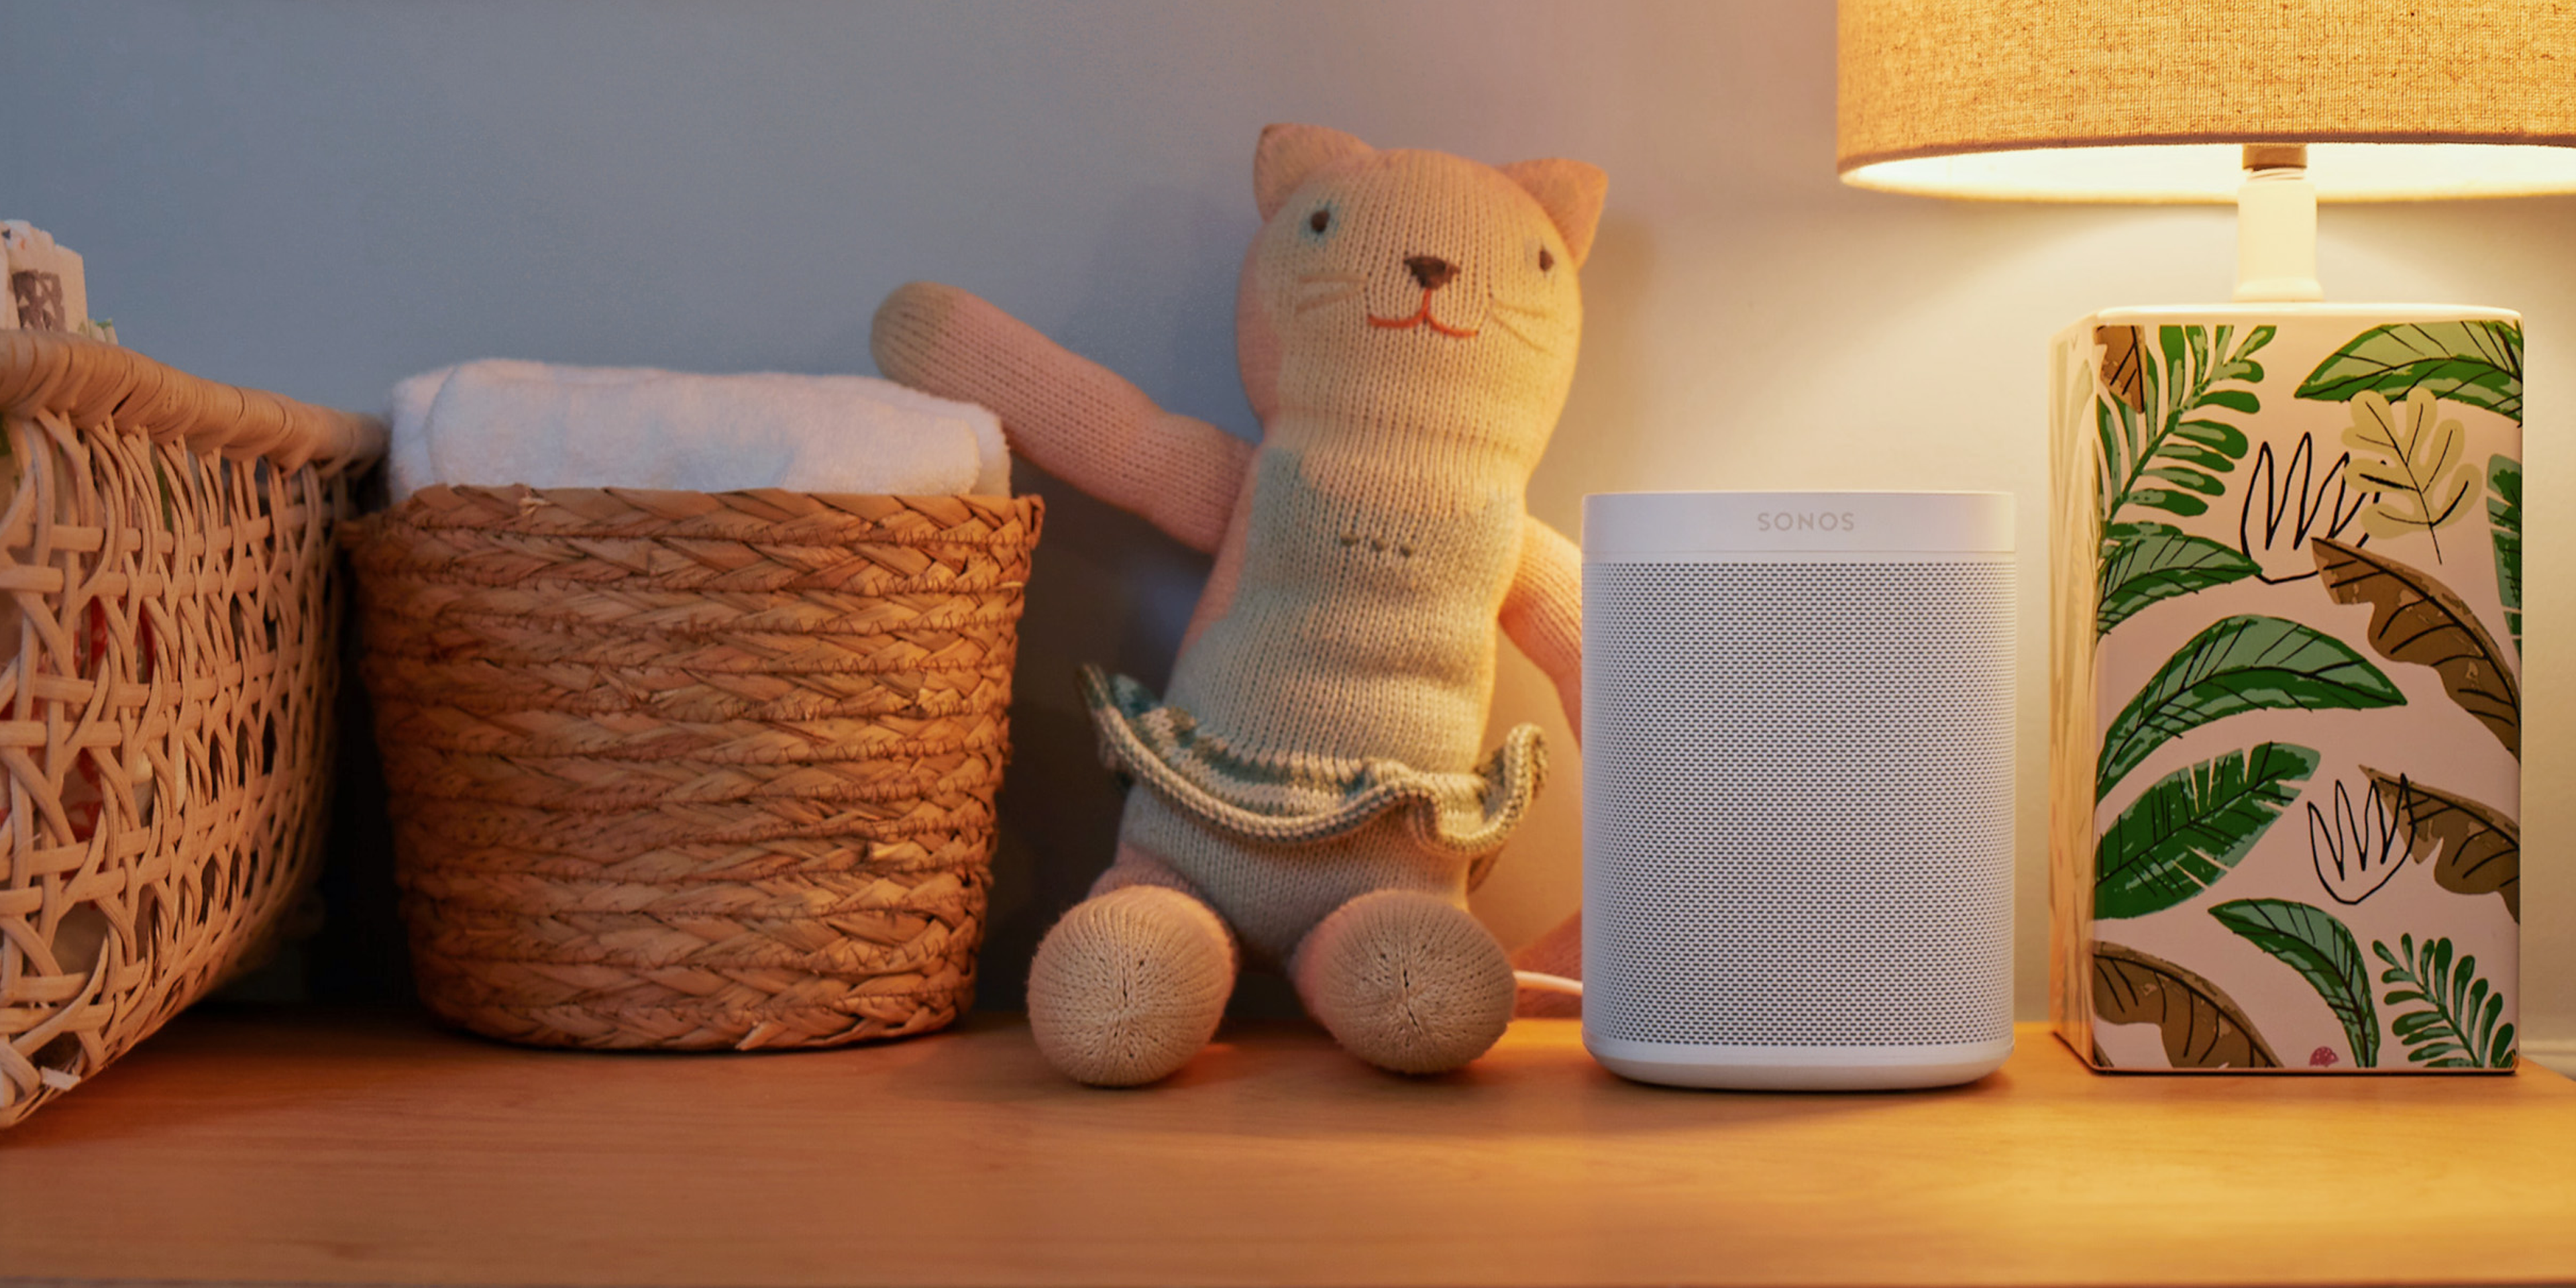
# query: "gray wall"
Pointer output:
{"type": "Point", "coordinates": [323, 198]}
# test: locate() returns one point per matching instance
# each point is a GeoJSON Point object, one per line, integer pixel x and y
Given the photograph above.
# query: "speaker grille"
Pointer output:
{"type": "Point", "coordinates": [1798, 813]}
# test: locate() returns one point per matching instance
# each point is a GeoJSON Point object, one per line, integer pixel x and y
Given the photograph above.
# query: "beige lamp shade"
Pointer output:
{"type": "Point", "coordinates": [2151, 100]}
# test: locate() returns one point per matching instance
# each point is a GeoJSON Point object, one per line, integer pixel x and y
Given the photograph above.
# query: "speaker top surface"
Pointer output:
{"type": "Point", "coordinates": [1630, 527]}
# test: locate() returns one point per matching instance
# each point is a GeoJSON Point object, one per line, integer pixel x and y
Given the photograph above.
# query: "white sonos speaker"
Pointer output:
{"type": "Point", "coordinates": [1798, 787]}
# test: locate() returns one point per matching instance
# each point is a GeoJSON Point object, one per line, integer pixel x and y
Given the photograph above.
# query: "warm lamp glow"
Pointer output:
{"type": "Point", "coordinates": [2212, 172]}
{"type": "Point", "coordinates": [2149, 100]}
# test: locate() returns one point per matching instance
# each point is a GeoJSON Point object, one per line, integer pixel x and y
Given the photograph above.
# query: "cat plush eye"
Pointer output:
{"type": "Point", "coordinates": [1319, 220]}
{"type": "Point", "coordinates": [1546, 261]}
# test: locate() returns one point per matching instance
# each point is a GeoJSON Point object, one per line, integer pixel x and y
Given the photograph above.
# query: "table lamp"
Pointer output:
{"type": "Point", "coordinates": [2286, 534]}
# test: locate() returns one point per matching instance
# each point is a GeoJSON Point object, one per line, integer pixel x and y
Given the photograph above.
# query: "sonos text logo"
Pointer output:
{"type": "Point", "coordinates": [1809, 521]}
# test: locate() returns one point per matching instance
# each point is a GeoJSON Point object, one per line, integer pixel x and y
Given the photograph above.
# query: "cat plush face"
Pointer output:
{"type": "Point", "coordinates": [1414, 287]}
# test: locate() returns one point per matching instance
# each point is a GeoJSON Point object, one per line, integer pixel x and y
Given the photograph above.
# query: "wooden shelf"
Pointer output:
{"type": "Point", "coordinates": [314, 1147]}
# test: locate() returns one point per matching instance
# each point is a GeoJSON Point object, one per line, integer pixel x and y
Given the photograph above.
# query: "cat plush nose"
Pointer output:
{"type": "Point", "coordinates": [1430, 270]}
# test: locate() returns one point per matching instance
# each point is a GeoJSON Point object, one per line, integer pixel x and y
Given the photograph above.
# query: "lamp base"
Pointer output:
{"type": "Point", "coordinates": [2286, 665]}
{"type": "Point", "coordinates": [2276, 228]}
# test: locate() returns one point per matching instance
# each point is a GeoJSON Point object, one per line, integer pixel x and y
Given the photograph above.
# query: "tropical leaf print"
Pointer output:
{"type": "Point", "coordinates": [2322, 950]}
{"type": "Point", "coordinates": [2360, 839]}
{"type": "Point", "coordinates": [2478, 363]}
{"type": "Point", "coordinates": [2201, 1026]}
{"type": "Point", "coordinates": [2456, 1024]}
{"type": "Point", "coordinates": [2145, 562]}
{"type": "Point", "coordinates": [2192, 827]}
{"type": "Point", "coordinates": [2243, 663]}
{"type": "Point", "coordinates": [2475, 848]}
{"type": "Point", "coordinates": [2286, 502]}
{"type": "Point", "coordinates": [2416, 462]}
{"type": "Point", "coordinates": [2160, 449]}
{"type": "Point", "coordinates": [2416, 619]}
{"type": "Point", "coordinates": [2504, 514]}
{"type": "Point", "coordinates": [2123, 364]}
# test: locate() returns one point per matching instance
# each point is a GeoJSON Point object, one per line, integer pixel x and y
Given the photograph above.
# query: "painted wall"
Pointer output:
{"type": "Point", "coordinates": [324, 198]}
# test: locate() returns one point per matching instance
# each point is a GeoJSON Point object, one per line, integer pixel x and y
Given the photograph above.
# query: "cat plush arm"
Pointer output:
{"type": "Point", "coordinates": [1543, 613]}
{"type": "Point", "coordinates": [1067, 415]}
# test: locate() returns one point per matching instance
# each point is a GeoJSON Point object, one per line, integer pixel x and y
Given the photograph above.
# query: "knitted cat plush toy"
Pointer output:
{"type": "Point", "coordinates": [1312, 793]}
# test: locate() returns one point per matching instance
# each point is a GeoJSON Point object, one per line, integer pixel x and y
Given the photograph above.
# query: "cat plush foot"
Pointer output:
{"type": "Point", "coordinates": [1406, 981]}
{"type": "Point", "coordinates": [1129, 985]}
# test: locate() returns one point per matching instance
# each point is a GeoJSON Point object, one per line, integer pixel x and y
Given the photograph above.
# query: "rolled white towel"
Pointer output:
{"type": "Point", "coordinates": [499, 422]}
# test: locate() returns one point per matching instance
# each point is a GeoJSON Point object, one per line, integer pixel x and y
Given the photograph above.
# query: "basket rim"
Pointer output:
{"type": "Point", "coordinates": [93, 383]}
{"type": "Point", "coordinates": [781, 517]}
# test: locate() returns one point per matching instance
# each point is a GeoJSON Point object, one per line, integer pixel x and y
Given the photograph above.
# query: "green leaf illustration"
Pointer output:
{"type": "Point", "coordinates": [2201, 1026]}
{"type": "Point", "coordinates": [2320, 948]}
{"type": "Point", "coordinates": [2244, 663]}
{"type": "Point", "coordinates": [2504, 514]}
{"type": "Point", "coordinates": [2192, 827]}
{"type": "Point", "coordinates": [2414, 460]}
{"type": "Point", "coordinates": [2475, 848]}
{"type": "Point", "coordinates": [2145, 562]}
{"type": "Point", "coordinates": [2478, 363]}
{"type": "Point", "coordinates": [2416, 619]}
{"type": "Point", "coordinates": [2158, 450]}
{"type": "Point", "coordinates": [2456, 1025]}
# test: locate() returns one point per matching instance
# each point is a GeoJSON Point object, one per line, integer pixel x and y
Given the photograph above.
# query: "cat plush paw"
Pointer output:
{"type": "Point", "coordinates": [1129, 985]}
{"type": "Point", "coordinates": [1406, 981]}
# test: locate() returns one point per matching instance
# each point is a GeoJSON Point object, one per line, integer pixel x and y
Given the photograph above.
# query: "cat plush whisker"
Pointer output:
{"type": "Point", "coordinates": [1524, 310]}
{"type": "Point", "coordinates": [1304, 279]}
{"type": "Point", "coordinates": [1319, 301]}
{"type": "Point", "coordinates": [1512, 328]}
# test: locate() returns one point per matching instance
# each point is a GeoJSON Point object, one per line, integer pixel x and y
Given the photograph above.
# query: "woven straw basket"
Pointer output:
{"type": "Point", "coordinates": [165, 711]}
{"type": "Point", "coordinates": [693, 771]}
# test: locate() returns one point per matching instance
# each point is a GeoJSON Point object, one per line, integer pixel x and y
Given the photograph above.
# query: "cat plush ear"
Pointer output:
{"type": "Point", "coordinates": [1288, 153]}
{"type": "Point", "coordinates": [1570, 192]}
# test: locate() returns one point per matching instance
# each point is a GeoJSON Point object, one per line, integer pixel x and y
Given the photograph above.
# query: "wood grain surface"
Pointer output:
{"type": "Point", "coordinates": [312, 1147]}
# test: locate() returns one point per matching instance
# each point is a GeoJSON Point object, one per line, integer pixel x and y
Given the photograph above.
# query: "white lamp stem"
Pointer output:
{"type": "Point", "coordinates": [2276, 226]}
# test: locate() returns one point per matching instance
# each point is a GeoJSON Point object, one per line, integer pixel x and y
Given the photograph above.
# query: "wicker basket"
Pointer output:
{"type": "Point", "coordinates": [693, 771]}
{"type": "Point", "coordinates": [172, 610]}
